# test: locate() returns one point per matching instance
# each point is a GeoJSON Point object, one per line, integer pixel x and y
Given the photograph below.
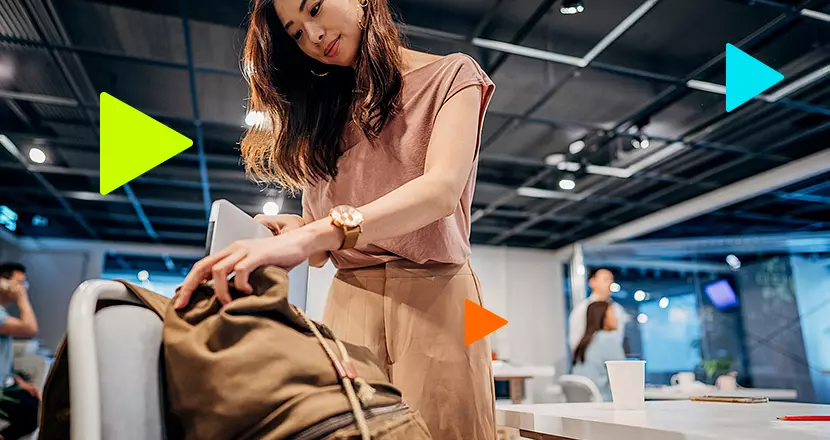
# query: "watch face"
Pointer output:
{"type": "Point", "coordinates": [347, 216]}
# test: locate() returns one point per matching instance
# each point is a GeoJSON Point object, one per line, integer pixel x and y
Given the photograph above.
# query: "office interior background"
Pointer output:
{"type": "Point", "coordinates": [607, 144]}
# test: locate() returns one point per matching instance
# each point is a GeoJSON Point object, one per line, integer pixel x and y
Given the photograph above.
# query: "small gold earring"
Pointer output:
{"type": "Point", "coordinates": [364, 3]}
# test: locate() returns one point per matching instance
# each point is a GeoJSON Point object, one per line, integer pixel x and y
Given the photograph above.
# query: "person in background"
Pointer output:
{"type": "Point", "coordinates": [599, 344]}
{"type": "Point", "coordinates": [600, 282]}
{"type": "Point", "coordinates": [22, 411]}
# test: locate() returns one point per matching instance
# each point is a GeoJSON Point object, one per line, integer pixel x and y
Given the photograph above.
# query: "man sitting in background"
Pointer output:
{"type": "Point", "coordinates": [600, 282]}
{"type": "Point", "coordinates": [22, 410]}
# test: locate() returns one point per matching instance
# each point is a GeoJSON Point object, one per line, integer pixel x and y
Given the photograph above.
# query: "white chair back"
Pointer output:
{"type": "Point", "coordinates": [579, 389]}
{"type": "Point", "coordinates": [115, 379]}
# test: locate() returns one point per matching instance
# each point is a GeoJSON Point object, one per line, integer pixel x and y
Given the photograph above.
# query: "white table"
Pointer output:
{"type": "Point", "coordinates": [686, 420]}
{"type": "Point", "coordinates": [517, 375]}
{"type": "Point", "coordinates": [676, 393]}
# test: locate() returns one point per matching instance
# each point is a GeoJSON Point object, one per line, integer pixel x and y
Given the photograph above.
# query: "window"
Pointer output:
{"type": "Point", "coordinates": [669, 334]}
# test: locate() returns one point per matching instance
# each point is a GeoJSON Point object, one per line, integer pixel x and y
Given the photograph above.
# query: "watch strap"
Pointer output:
{"type": "Point", "coordinates": [350, 237]}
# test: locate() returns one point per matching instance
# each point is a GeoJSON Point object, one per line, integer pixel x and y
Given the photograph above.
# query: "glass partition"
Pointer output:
{"type": "Point", "coordinates": [761, 318]}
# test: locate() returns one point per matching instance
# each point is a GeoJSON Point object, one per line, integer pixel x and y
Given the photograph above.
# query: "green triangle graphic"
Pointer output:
{"type": "Point", "coordinates": [132, 143]}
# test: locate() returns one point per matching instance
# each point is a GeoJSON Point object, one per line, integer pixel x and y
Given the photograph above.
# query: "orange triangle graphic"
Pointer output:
{"type": "Point", "coordinates": [479, 322]}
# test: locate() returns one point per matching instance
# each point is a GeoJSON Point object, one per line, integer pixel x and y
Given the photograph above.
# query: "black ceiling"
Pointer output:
{"type": "Point", "coordinates": [57, 56]}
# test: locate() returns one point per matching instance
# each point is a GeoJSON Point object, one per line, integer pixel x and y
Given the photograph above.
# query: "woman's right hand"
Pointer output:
{"type": "Point", "coordinates": [280, 223]}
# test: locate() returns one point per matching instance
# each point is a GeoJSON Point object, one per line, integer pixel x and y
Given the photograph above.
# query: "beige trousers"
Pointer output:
{"type": "Point", "coordinates": [412, 317]}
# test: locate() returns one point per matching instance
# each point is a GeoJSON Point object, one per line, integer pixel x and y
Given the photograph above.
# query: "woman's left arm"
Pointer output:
{"type": "Point", "coordinates": [419, 202]}
{"type": "Point", "coordinates": [428, 198]}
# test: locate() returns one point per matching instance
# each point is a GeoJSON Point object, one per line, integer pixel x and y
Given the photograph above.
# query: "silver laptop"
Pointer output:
{"type": "Point", "coordinates": [228, 223]}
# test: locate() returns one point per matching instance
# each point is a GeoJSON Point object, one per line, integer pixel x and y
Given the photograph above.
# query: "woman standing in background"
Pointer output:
{"type": "Point", "coordinates": [597, 346]}
{"type": "Point", "coordinates": [383, 142]}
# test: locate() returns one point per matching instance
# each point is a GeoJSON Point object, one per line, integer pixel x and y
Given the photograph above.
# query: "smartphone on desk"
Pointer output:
{"type": "Point", "coordinates": [729, 399]}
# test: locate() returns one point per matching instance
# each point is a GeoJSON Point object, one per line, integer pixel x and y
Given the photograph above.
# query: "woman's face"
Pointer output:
{"type": "Point", "coordinates": [326, 30]}
{"type": "Point", "coordinates": [610, 321]}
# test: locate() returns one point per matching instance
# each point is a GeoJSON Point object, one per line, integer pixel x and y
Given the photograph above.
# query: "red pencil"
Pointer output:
{"type": "Point", "coordinates": [805, 418]}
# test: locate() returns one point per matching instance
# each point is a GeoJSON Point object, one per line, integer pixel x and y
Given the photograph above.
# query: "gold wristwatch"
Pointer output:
{"type": "Point", "coordinates": [349, 219]}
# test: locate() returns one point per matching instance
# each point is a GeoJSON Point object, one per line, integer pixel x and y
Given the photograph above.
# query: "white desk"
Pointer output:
{"type": "Point", "coordinates": [675, 393]}
{"type": "Point", "coordinates": [685, 420]}
{"type": "Point", "coordinates": [517, 375]}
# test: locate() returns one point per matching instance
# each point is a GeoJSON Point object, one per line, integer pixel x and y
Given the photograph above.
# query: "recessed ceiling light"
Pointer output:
{"type": "Point", "coordinates": [642, 318]}
{"type": "Point", "coordinates": [569, 166]}
{"type": "Point", "coordinates": [570, 7]}
{"type": "Point", "coordinates": [37, 155]}
{"type": "Point", "coordinates": [639, 295]}
{"type": "Point", "coordinates": [664, 302]}
{"type": "Point", "coordinates": [567, 184]}
{"type": "Point", "coordinates": [576, 146]}
{"type": "Point", "coordinates": [615, 287]}
{"type": "Point", "coordinates": [734, 262]}
{"type": "Point", "coordinates": [555, 159]}
{"type": "Point", "coordinates": [143, 275]}
{"type": "Point", "coordinates": [270, 208]}
{"type": "Point", "coordinates": [254, 118]}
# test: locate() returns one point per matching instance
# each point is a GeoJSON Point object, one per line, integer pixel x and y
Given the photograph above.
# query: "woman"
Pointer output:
{"type": "Point", "coordinates": [383, 142]}
{"type": "Point", "coordinates": [597, 346]}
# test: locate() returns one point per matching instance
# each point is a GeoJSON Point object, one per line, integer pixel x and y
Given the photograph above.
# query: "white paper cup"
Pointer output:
{"type": "Point", "coordinates": [628, 383]}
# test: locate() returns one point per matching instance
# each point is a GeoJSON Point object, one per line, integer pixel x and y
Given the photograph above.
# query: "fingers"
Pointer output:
{"type": "Point", "coordinates": [200, 271]}
{"type": "Point", "coordinates": [240, 280]}
{"type": "Point", "coordinates": [220, 273]}
{"type": "Point", "coordinates": [269, 222]}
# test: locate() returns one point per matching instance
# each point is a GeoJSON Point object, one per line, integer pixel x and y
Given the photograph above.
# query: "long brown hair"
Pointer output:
{"type": "Point", "coordinates": [593, 323]}
{"type": "Point", "coordinates": [299, 141]}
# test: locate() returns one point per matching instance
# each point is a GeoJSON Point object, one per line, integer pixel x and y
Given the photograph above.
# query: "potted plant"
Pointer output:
{"type": "Point", "coordinates": [717, 367]}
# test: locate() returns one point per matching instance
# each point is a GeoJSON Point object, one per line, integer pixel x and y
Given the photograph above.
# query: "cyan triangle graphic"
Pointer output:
{"type": "Point", "coordinates": [746, 77]}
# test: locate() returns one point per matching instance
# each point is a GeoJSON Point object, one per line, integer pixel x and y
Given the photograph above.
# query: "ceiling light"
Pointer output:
{"type": "Point", "coordinates": [254, 118]}
{"type": "Point", "coordinates": [635, 143]}
{"type": "Point", "coordinates": [555, 159]}
{"type": "Point", "coordinates": [271, 208]}
{"type": "Point", "coordinates": [644, 143]}
{"type": "Point", "coordinates": [40, 221]}
{"type": "Point", "coordinates": [567, 184]}
{"type": "Point", "coordinates": [569, 166]}
{"type": "Point", "coordinates": [570, 7]}
{"type": "Point", "coordinates": [576, 146]}
{"type": "Point", "coordinates": [642, 318]}
{"type": "Point", "coordinates": [639, 295]}
{"type": "Point", "coordinates": [615, 287]}
{"type": "Point", "coordinates": [37, 155]}
{"type": "Point", "coordinates": [539, 193]}
{"type": "Point", "coordinates": [664, 302]}
{"type": "Point", "coordinates": [733, 262]}
{"type": "Point", "coordinates": [8, 218]}
{"type": "Point", "coordinates": [143, 275]}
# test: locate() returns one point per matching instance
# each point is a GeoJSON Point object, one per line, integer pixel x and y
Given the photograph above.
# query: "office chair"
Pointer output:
{"type": "Point", "coordinates": [115, 370]}
{"type": "Point", "coordinates": [579, 389]}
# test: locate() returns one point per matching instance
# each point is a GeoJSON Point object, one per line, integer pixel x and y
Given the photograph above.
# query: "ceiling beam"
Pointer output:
{"type": "Point", "coordinates": [676, 266]}
{"type": "Point", "coordinates": [789, 243]}
{"type": "Point", "coordinates": [523, 32]}
{"type": "Point", "coordinates": [168, 175]}
{"type": "Point", "coordinates": [710, 172]}
{"type": "Point", "coordinates": [114, 198]}
{"type": "Point", "coordinates": [774, 179]}
{"type": "Point", "coordinates": [197, 120]}
{"type": "Point", "coordinates": [485, 20]}
{"type": "Point", "coordinates": [87, 50]}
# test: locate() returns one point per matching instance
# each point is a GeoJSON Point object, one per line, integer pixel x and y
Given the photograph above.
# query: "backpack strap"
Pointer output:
{"type": "Point", "coordinates": [348, 377]}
